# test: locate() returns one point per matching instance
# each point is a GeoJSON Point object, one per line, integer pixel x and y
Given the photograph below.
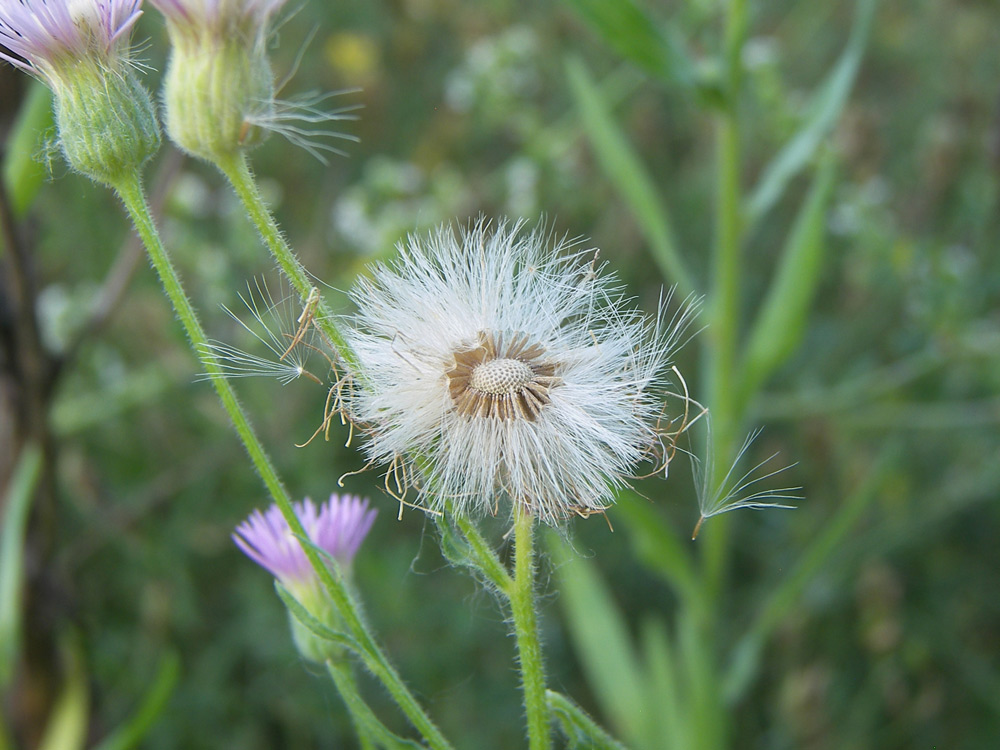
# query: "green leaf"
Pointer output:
{"type": "Point", "coordinates": [581, 731]}
{"type": "Point", "coordinates": [745, 658]}
{"type": "Point", "coordinates": [780, 323]}
{"type": "Point", "coordinates": [655, 47]}
{"type": "Point", "coordinates": [313, 625]}
{"type": "Point", "coordinates": [666, 691]}
{"type": "Point", "coordinates": [601, 640]}
{"type": "Point", "coordinates": [67, 723]}
{"type": "Point", "coordinates": [709, 720]}
{"type": "Point", "coordinates": [133, 731]}
{"type": "Point", "coordinates": [822, 114]}
{"type": "Point", "coordinates": [656, 545]}
{"type": "Point", "coordinates": [17, 504]}
{"type": "Point", "coordinates": [23, 175]}
{"type": "Point", "coordinates": [625, 169]}
{"type": "Point", "coordinates": [365, 720]}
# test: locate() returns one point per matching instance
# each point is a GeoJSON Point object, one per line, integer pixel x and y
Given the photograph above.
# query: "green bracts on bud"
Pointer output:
{"type": "Point", "coordinates": [214, 94]}
{"type": "Point", "coordinates": [106, 121]}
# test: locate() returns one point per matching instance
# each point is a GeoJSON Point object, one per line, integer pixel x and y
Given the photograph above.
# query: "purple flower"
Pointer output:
{"type": "Point", "coordinates": [218, 16]}
{"type": "Point", "coordinates": [41, 36]}
{"type": "Point", "coordinates": [338, 527]}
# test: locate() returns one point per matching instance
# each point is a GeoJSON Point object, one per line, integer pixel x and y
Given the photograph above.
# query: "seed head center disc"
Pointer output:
{"type": "Point", "coordinates": [501, 376]}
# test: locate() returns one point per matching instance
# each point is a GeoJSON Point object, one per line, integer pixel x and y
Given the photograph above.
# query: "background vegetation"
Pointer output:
{"type": "Point", "coordinates": [866, 618]}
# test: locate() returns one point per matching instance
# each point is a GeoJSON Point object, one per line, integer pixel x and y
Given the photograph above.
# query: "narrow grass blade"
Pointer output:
{"type": "Point", "coordinates": [745, 658]}
{"type": "Point", "coordinates": [823, 113]}
{"type": "Point", "coordinates": [15, 521]}
{"type": "Point", "coordinates": [781, 321]}
{"type": "Point", "coordinates": [23, 175]}
{"type": "Point", "coordinates": [625, 169]}
{"type": "Point", "coordinates": [670, 721]}
{"type": "Point", "coordinates": [601, 641]}
{"type": "Point", "coordinates": [656, 47]}
{"type": "Point", "coordinates": [70, 716]}
{"type": "Point", "coordinates": [132, 732]}
{"type": "Point", "coordinates": [656, 546]}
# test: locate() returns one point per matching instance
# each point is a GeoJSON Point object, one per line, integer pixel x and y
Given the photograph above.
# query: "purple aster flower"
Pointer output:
{"type": "Point", "coordinates": [42, 36]}
{"type": "Point", "coordinates": [219, 16]}
{"type": "Point", "coordinates": [338, 527]}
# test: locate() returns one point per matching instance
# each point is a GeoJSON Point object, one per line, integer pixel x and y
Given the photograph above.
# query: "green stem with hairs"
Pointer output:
{"type": "Point", "coordinates": [129, 189]}
{"type": "Point", "coordinates": [522, 606]}
{"type": "Point", "coordinates": [237, 170]}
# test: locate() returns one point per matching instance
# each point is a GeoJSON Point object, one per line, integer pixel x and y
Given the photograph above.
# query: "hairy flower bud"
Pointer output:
{"type": "Point", "coordinates": [107, 124]}
{"type": "Point", "coordinates": [105, 117]}
{"type": "Point", "coordinates": [219, 83]}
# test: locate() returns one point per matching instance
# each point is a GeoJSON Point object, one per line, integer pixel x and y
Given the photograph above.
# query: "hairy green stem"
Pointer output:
{"type": "Point", "coordinates": [237, 170]}
{"type": "Point", "coordinates": [130, 190]}
{"type": "Point", "coordinates": [529, 649]}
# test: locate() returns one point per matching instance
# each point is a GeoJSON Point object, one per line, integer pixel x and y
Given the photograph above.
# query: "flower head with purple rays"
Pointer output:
{"type": "Point", "coordinates": [39, 36]}
{"type": "Point", "coordinates": [337, 527]}
{"type": "Point", "coordinates": [218, 16]}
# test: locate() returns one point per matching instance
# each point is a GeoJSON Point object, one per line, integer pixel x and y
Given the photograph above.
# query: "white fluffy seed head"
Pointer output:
{"type": "Point", "coordinates": [494, 364]}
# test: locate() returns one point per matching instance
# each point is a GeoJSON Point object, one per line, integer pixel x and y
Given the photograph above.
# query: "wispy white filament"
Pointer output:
{"type": "Point", "coordinates": [606, 413]}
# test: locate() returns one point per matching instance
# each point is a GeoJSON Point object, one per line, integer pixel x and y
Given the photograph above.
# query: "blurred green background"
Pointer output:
{"type": "Point", "coordinates": [890, 640]}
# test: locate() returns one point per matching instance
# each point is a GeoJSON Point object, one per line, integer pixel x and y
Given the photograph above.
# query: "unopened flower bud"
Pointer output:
{"type": "Point", "coordinates": [219, 82]}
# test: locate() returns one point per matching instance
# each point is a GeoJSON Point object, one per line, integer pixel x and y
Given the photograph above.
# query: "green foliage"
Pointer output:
{"type": "Point", "coordinates": [867, 346]}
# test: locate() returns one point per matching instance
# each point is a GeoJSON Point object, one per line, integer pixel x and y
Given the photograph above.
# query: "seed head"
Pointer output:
{"type": "Point", "coordinates": [498, 365]}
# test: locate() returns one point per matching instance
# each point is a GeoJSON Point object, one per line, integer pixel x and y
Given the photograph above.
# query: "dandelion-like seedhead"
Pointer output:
{"type": "Point", "coordinates": [494, 363]}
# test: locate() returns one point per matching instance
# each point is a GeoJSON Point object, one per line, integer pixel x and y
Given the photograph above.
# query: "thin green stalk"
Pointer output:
{"type": "Point", "coordinates": [237, 170]}
{"type": "Point", "coordinates": [529, 649]}
{"type": "Point", "coordinates": [130, 190]}
{"type": "Point", "coordinates": [727, 273]}
{"type": "Point", "coordinates": [132, 194]}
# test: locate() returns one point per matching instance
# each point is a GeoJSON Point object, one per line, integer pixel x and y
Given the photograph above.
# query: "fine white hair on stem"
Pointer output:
{"type": "Point", "coordinates": [500, 364]}
{"type": "Point", "coordinates": [300, 121]}
{"type": "Point", "coordinates": [734, 494]}
{"type": "Point", "coordinates": [273, 325]}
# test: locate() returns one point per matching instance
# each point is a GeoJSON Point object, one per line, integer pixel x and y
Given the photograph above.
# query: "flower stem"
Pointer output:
{"type": "Point", "coordinates": [727, 273]}
{"type": "Point", "coordinates": [237, 170]}
{"type": "Point", "coordinates": [522, 605]}
{"type": "Point", "coordinates": [130, 190]}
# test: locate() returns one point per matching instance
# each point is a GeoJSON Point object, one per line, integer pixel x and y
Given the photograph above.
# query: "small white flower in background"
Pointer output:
{"type": "Point", "coordinates": [494, 366]}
